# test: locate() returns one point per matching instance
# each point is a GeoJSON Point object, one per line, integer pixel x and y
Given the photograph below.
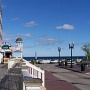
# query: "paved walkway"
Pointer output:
{"type": "Point", "coordinates": [76, 69]}
{"type": "Point", "coordinates": [53, 83]}
{"type": "Point", "coordinates": [58, 78]}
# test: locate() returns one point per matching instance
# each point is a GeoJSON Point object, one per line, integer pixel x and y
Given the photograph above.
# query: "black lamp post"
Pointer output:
{"type": "Point", "coordinates": [71, 46]}
{"type": "Point", "coordinates": [59, 49]}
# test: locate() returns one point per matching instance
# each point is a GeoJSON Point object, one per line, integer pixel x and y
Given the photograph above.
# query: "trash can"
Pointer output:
{"type": "Point", "coordinates": [65, 63]}
{"type": "Point", "coordinates": [82, 67]}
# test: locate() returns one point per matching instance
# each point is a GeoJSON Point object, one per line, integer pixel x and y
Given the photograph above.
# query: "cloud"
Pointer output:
{"type": "Point", "coordinates": [65, 27]}
{"type": "Point", "coordinates": [30, 46]}
{"type": "Point", "coordinates": [9, 37]}
{"type": "Point", "coordinates": [3, 6]}
{"type": "Point", "coordinates": [30, 24]}
{"type": "Point", "coordinates": [14, 19]}
{"type": "Point", "coordinates": [26, 35]}
{"type": "Point", "coordinates": [48, 41]}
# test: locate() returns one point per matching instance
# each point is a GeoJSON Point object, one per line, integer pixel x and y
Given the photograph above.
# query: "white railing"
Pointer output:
{"type": "Point", "coordinates": [11, 63]}
{"type": "Point", "coordinates": [35, 72]}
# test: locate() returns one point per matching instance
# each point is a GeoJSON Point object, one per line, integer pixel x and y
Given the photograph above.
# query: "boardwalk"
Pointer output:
{"type": "Point", "coordinates": [64, 79]}
{"type": "Point", "coordinates": [76, 68]}
{"type": "Point", "coordinates": [53, 83]}
{"type": "Point", "coordinates": [10, 79]}
{"type": "Point", "coordinates": [56, 78]}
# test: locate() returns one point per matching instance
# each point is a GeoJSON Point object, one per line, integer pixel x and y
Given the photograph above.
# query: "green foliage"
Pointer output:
{"type": "Point", "coordinates": [86, 49]}
{"type": "Point", "coordinates": [34, 62]}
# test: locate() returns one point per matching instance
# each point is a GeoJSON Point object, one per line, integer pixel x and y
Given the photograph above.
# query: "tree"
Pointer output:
{"type": "Point", "coordinates": [86, 48]}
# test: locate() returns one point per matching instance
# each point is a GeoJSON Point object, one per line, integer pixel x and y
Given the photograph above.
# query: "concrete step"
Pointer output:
{"type": "Point", "coordinates": [29, 81]}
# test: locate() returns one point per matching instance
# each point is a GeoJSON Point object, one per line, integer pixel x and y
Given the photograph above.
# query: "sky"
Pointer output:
{"type": "Point", "coordinates": [45, 25]}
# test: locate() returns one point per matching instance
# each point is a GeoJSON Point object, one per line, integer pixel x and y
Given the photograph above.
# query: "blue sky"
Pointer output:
{"type": "Point", "coordinates": [46, 24]}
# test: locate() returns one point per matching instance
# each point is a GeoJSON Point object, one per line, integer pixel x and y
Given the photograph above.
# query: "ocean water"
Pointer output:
{"type": "Point", "coordinates": [52, 58]}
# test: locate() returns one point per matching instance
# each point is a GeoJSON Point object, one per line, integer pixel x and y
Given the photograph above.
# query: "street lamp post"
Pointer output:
{"type": "Point", "coordinates": [59, 49]}
{"type": "Point", "coordinates": [71, 46]}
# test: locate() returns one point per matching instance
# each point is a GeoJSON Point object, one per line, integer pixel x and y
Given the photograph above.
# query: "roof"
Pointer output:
{"type": "Point", "coordinates": [19, 40]}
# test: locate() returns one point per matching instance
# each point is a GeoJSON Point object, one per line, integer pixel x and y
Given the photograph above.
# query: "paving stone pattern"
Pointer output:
{"type": "Point", "coordinates": [53, 83]}
{"type": "Point", "coordinates": [11, 79]}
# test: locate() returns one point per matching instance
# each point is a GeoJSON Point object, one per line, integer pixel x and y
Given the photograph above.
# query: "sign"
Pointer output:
{"type": "Point", "coordinates": [5, 47]}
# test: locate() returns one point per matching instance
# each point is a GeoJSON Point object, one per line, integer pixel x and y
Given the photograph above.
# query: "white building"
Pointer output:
{"type": "Point", "coordinates": [7, 51]}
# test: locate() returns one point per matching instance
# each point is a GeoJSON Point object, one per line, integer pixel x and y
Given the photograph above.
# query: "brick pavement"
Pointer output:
{"type": "Point", "coordinates": [53, 83]}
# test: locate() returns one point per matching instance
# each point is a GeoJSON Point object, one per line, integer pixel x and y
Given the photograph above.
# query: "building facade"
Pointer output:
{"type": "Point", "coordinates": [6, 50]}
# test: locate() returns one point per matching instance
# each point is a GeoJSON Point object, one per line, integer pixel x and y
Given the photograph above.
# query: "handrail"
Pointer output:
{"type": "Point", "coordinates": [36, 72]}
{"type": "Point", "coordinates": [11, 63]}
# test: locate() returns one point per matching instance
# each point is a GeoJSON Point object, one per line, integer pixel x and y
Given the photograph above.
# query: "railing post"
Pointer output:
{"type": "Point", "coordinates": [39, 75]}
{"type": "Point", "coordinates": [24, 86]}
{"type": "Point", "coordinates": [43, 79]}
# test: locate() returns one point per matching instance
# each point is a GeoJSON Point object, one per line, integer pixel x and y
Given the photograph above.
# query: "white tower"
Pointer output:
{"type": "Point", "coordinates": [19, 47]}
{"type": "Point", "coordinates": [19, 43]}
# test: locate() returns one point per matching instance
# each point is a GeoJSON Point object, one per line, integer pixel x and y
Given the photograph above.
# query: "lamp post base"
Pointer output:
{"type": "Point", "coordinates": [71, 67]}
{"type": "Point", "coordinates": [59, 64]}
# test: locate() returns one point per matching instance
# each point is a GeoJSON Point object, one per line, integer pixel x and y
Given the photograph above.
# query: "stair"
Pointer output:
{"type": "Point", "coordinates": [31, 77]}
